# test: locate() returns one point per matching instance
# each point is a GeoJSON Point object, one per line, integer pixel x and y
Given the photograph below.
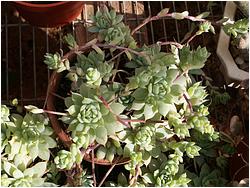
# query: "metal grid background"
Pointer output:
{"type": "Point", "coordinates": [25, 77]}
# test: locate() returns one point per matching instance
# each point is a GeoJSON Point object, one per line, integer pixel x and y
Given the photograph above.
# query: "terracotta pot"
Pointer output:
{"type": "Point", "coordinates": [56, 125]}
{"type": "Point", "coordinates": [49, 15]}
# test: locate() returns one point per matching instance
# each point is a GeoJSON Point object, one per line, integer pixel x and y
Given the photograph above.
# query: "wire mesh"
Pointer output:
{"type": "Point", "coordinates": [25, 76]}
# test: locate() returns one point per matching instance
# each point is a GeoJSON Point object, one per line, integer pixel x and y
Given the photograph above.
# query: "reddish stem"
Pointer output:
{"type": "Point", "coordinates": [117, 117]}
{"type": "Point", "coordinates": [191, 38]}
{"type": "Point", "coordinates": [55, 113]}
{"type": "Point", "coordinates": [178, 45]}
{"type": "Point", "coordinates": [108, 172]}
{"type": "Point", "coordinates": [142, 121]}
{"type": "Point", "coordinates": [60, 97]}
{"type": "Point", "coordinates": [93, 167]}
{"type": "Point", "coordinates": [149, 19]}
{"type": "Point", "coordinates": [189, 104]}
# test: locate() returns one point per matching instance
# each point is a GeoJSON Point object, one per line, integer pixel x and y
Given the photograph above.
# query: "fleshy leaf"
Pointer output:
{"type": "Point", "coordinates": [163, 12]}
{"type": "Point", "coordinates": [101, 152]}
{"type": "Point", "coordinates": [137, 106]}
{"type": "Point", "coordinates": [164, 108]}
{"type": "Point", "coordinates": [33, 109]}
{"type": "Point", "coordinates": [148, 111]}
{"type": "Point", "coordinates": [38, 169]}
{"type": "Point", "coordinates": [117, 108]}
{"type": "Point", "coordinates": [10, 168]}
{"type": "Point", "coordinates": [44, 152]}
{"type": "Point", "coordinates": [203, 15]}
{"type": "Point", "coordinates": [140, 94]}
{"type": "Point", "coordinates": [101, 135]}
{"type": "Point", "coordinates": [17, 174]}
{"type": "Point", "coordinates": [179, 16]}
{"type": "Point", "coordinates": [148, 178]}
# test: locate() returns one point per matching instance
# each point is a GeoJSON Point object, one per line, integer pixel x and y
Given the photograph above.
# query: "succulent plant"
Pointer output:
{"type": "Point", "coordinates": [54, 61]}
{"type": "Point", "coordinates": [89, 112]}
{"type": "Point", "coordinates": [31, 135]}
{"type": "Point", "coordinates": [5, 122]}
{"type": "Point", "coordinates": [23, 141]}
{"type": "Point", "coordinates": [93, 77]}
{"type": "Point", "coordinates": [91, 117]}
{"type": "Point", "coordinates": [149, 116]}
{"type": "Point", "coordinates": [144, 137]}
{"type": "Point", "coordinates": [66, 159]}
{"type": "Point", "coordinates": [85, 180]}
{"type": "Point", "coordinates": [18, 177]}
{"type": "Point", "coordinates": [236, 29]}
{"type": "Point", "coordinates": [5, 112]}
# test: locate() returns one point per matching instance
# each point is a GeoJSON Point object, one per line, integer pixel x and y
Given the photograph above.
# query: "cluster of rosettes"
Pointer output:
{"type": "Point", "coordinates": [105, 19]}
{"type": "Point", "coordinates": [30, 134]}
{"type": "Point", "coordinates": [202, 124]}
{"type": "Point", "coordinates": [91, 69]}
{"type": "Point", "coordinates": [23, 140]}
{"type": "Point", "coordinates": [111, 29]}
{"type": "Point", "coordinates": [160, 94]}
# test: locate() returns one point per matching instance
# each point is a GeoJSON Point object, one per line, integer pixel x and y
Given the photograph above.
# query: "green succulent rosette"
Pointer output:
{"type": "Point", "coordinates": [66, 159]}
{"type": "Point", "coordinates": [93, 77]}
{"type": "Point", "coordinates": [144, 138]}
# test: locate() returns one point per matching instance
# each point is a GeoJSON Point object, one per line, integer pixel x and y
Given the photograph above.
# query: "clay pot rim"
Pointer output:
{"type": "Point", "coordinates": [54, 4]}
{"type": "Point", "coordinates": [105, 162]}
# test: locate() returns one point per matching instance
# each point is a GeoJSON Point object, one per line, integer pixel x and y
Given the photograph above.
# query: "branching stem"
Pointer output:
{"type": "Point", "coordinates": [178, 45]}
{"type": "Point", "coordinates": [109, 171]}
{"type": "Point", "coordinates": [116, 67]}
{"type": "Point", "coordinates": [60, 97]}
{"type": "Point", "coordinates": [116, 56]}
{"type": "Point", "coordinates": [134, 179]}
{"type": "Point", "coordinates": [189, 104]}
{"type": "Point", "coordinates": [142, 121]}
{"type": "Point", "coordinates": [246, 165]}
{"type": "Point", "coordinates": [149, 19]}
{"type": "Point", "coordinates": [191, 38]}
{"type": "Point", "coordinates": [93, 167]}
{"type": "Point", "coordinates": [80, 49]}
{"type": "Point", "coordinates": [56, 113]}
{"type": "Point", "coordinates": [117, 117]}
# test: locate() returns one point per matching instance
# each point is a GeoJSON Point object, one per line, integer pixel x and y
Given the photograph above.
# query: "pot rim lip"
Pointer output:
{"type": "Point", "coordinates": [54, 4]}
